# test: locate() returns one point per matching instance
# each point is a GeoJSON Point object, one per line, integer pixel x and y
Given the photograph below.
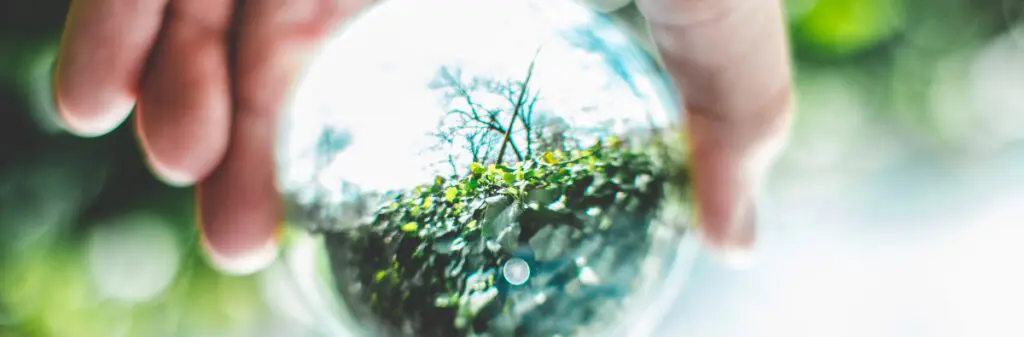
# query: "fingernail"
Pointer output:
{"type": "Point", "coordinates": [735, 246]}
{"type": "Point", "coordinates": [762, 156]}
{"type": "Point", "coordinates": [736, 258]}
{"type": "Point", "coordinates": [98, 122]}
{"type": "Point", "coordinates": [243, 262]}
{"type": "Point", "coordinates": [167, 175]}
{"type": "Point", "coordinates": [163, 172]}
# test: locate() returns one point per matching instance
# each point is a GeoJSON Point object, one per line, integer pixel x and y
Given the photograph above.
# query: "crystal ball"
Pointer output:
{"type": "Point", "coordinates": [487, 168]}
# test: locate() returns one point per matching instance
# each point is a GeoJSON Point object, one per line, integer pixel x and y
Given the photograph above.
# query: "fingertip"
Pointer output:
{"type": "Point", "coordinates": [732, 243]}
{"type": "Point", "coordinates": [168, 174]}
{"type": "Point", "coordinates": [238, 220]}
{"type": "Point", "coordinates": [240, 262]}
{"type": "Point", "coordinates": [165, 173]}
{"type": "Point", "coordinates": [181, 171]}
{"type": "Point", "coordinates": [94, 119]}
{"type": "Point", "coordinates": [233, 244]}
{"type": "Point", "coordinates": [732, 257]}
{"type": "Point", "coordinates": [179, 162]}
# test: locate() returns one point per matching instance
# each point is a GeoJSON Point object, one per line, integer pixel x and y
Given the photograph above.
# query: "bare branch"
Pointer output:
{"type": "Point", "coordinates": [526, 118]}
{"type": "Point", "coordinates": [518, 106]}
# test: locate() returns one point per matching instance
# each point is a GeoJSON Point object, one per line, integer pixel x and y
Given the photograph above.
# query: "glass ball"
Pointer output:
{"type": "Point", "coordinates": [486, 168]}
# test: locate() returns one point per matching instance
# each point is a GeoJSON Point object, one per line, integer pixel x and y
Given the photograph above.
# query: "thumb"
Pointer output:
{"type": "Point", "coordinates": [730, 60]}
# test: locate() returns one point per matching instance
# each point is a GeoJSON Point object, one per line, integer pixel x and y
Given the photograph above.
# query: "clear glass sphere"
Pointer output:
{"type": "Point", "coordinates": [486, 168]}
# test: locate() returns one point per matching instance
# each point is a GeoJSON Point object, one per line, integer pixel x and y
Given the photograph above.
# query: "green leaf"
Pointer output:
{"type": "Point", "coordinates": [476, 168]}
{"type": "Point", "coordinates": [410, 227]}
{"type": "Point", "coordinates": [450, 193]}
{"type": "Point", "coordinates": [380, 275]}
{"type": "Point", "coordinates": [549, 158]}
{"type": "Point", "coordinates": [530, 174]}
{"type": "Point", "coordinates": [509, 177]}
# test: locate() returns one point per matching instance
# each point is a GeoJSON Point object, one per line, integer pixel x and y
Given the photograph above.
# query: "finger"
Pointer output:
{"type": "Point", "coordinates": [103, 51]}
{"type": "Point", "coordinates": [730, 60]}
{"type": "Point", "coordinates": [240, 209]}
{"type": "Point", "coordinates": [185, 101]}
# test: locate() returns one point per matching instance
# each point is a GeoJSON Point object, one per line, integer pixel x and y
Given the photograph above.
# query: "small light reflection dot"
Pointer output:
{"type": "Point", "coordinates": [516, 271]}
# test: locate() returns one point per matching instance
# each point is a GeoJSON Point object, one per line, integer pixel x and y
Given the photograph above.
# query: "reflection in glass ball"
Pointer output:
{"type": "Point", "coordinates": [487, 168]}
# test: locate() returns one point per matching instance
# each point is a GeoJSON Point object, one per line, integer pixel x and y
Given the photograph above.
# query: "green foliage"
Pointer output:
{"type": "Point", "coordinates": [843, 27]}
{"type": "Point", "coordinates": [430, 257]}
{"type": "Point", "coordinates": [49, 292]}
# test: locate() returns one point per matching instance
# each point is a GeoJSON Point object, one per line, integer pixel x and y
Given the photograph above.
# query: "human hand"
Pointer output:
{"type": "Point", "coordinates": [208, 77]}
{"type": "Point", "coordinates": [207, 84]}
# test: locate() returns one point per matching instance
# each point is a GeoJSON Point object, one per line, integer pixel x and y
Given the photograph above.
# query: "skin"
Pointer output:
{"type": "Point", "coordinates": [206, 78]}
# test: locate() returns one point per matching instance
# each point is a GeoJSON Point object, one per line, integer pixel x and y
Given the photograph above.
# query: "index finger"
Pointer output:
{"type": "Point", "coordinates": [103, 50]}
{"type": "Point", "coordinates": [730, 59]}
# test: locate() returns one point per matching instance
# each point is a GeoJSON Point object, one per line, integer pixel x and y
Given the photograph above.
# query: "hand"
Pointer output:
{"type": "Point", "coordinates": [207, 84]}
{"type": "Point", "coordinates": [208, 77]}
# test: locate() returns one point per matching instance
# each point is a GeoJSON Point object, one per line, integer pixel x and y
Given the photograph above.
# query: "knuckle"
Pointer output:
{"type": "Point", "coordinates": [210, 17]}
{"type": "Point", "coordinates": [307, 13]}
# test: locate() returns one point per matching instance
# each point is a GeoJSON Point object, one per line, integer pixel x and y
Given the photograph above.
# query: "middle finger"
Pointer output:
{"type": "Point", "coordinates": [185, 100]}
{"type": "Point", "coordinates": [239, 206]}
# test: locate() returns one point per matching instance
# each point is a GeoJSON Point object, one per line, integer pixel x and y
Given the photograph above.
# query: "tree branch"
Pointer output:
{"type": "Point", "coordinates": [518, 106]}
{"type": "Point", "coordinates": [526, 118]}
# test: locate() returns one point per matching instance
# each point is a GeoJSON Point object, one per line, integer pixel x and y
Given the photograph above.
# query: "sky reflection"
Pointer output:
{"type": "Point", "coordinates": [374, 97]}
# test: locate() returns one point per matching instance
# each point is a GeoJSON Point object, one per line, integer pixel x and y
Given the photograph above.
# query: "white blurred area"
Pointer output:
{"type": "Point", "coordinates": [864, 233]}
{"type": "Point", "coordinates": [133, 258]}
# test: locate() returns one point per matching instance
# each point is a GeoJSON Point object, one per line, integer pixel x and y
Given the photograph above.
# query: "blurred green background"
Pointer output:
{"type": "Point", "coordinates": [904, 107]}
